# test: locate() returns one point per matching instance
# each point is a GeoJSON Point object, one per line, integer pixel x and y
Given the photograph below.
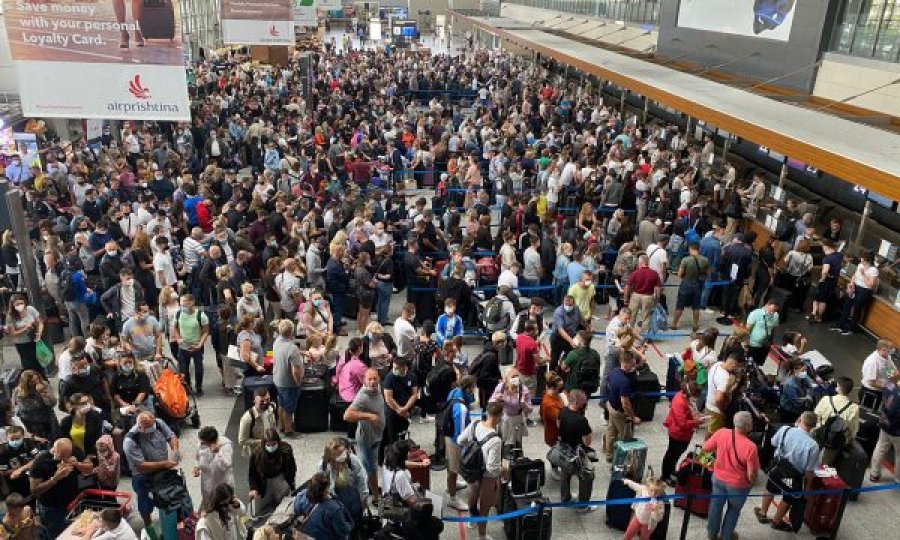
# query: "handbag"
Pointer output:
{"type": "Point", "coordinates": [567, 459]}
{"type": "Point", "coordinates": [44, 353]}
{"type": "Point", "coordinates": [781, 472]}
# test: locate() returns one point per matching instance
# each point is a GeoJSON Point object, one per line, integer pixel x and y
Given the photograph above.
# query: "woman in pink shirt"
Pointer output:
{"type": "Point", "coordinates": [734, 473]}
{"type": "Point", "coordinates": [350, 371]}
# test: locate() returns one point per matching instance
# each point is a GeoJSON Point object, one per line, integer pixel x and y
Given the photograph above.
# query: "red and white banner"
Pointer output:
{"type": "Point", "coordinates": [84, 59]}
{"type": "Point", "coordinates": [257, 22]}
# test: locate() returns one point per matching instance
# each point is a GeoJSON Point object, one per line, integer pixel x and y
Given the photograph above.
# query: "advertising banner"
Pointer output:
{"type": "Point", "coordinates": [328, 4]}
{"type": "Point", "coordinates": [305, 13]}
{"type": "Point", "coordinates": [85, 59]}
{"type": "Point", "coordinates": [257, 22]}
{"type": "Point", "coordinates": [770, 19]}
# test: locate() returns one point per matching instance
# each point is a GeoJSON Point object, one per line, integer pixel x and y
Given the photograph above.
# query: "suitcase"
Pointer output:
{"type": "Point", "coordinates": [782, 297]}
{"type": "Point", "coordinates": [336, 409]}
{"type": "Point", "coordinates": [851, 466]}
{"type": "Point", "coordinates": [506, 354]}
{"type": "Point", "coordinates": [311, 415]}
{"type": "Point", "coordinates": [673, 377]}
{"type": "Point", "coordinates": [250, 385]}
{"type": "Point", "coordinates": [822, 510]}
{"type": "Point", "coordinates": [645, 406]}
{"type": "Point", "coordinates": [618, 515]}
{"type": "Point", "coordinates": [869, 429]}
{"type": "Point", "coordinates": [630, 457]}
{"type": "Point", "coordinates": [693, 479]}
{"type": "Point", "coordinates": [527, 477]}
{"type": "Point", "coordinates": [9, 377]}
{"type": "Point", "coordinates": [420, 475]}
{"type": "Point", "coordinates": [158, 19]}
{"type": "Point", "coordinates": [534, 526]}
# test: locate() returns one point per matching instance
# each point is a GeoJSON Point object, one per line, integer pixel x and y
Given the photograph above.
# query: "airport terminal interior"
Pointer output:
{"type": "Point", "coordinates": [462, 269]}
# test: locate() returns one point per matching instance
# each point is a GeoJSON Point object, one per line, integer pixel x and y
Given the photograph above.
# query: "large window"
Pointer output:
{"type": "Point", "coordinates": [868, 28]}
{"type": "Point", "coordinates": [633, 11]}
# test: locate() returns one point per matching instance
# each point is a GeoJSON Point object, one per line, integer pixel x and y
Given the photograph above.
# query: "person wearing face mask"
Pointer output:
{"type": "Point", "coordinates": [272, 474]}
{"type": "Point", "coordinates": [400, 389]}
{"type": "Point", "coordinates": [87, 378]}
{"type": "Point", "coordinates": [455, 421]}
{"type": "Point", "coordinates": [287, 374]}
{"type": "Point", "coordinates": [215, 463]}
{"type": "Point", "coordinates": [120, 301]}
{"type": "Point", "coordinates": [54, 483]}
{"type": "Point", "coordinates": [150, 446]}
{"type": "Point", "coordinates": [567, 321]}
{"type": "Point", "coordinates": [83, 425]}
{"type": "Point", "coordinates": [368, 411]}
{"type": "Point", "coordinates": [795, 393]}
{"type": "Point", "coordinates": [111, 264]}
{"type": "Point", "coordinates": [142, 335]}
{"type": "Point", "coordinates": [349, 481]}
{"type": "Point", "coordinates": [33, 402]}
{"type": "Point", "coordinates": [222, 517]}
{"type": "Point", "coordinates": [512, 393]}
{"type": "Point", "coordinates": [575, 432]}
{"type": "Point", "coordinates": [448, 324]}
{"type": "Point", "coordinates": [24, 327]}
{"type": "Point", "coordinates": [16, 458]}
{"type": "Point", "coordinates": [256, 421]}
{"type": "Point", "coordinates": [130, 388]}
{"type": "Point", "coordinates": [109, 463]}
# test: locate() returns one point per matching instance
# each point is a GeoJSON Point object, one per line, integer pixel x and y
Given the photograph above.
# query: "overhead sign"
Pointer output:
{"type": "Point", "coordinates": [305, 13]}
{"type": "Point", "coordinates": [77, 59]}
{"type": "Point", "coordinates": [257, 22]}
{"type": "Point", "coordinates": [770, 19]}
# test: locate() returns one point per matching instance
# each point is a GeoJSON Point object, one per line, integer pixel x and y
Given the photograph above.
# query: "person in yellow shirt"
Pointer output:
{"type": "Point", "coordinates": [583, 292]}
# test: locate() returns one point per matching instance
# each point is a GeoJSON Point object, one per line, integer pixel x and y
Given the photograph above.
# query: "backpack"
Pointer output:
{"type": "Point", "coordinates": [495, 317]}
{"type": "Point", "coordinates": [659, 319]}
{"type": "Point", "coordinates": [691, 236]}
{"type": "Point", "coordinates": [488, 269]}
{"type": "Point", "coordinates": [471, 464]}
{"type": "Point", "coordinates": [434, 376]}
{"type": "Point", "coordinates": [447, 422]}
{"type": "Point", "coordinates": [833, 434]}
{"type": "Point", "coordinates": [66, 287]}
{"type": "Point", "coordinates": [588, 372]}
{"type": "Point", "coordinates": [890, 411]}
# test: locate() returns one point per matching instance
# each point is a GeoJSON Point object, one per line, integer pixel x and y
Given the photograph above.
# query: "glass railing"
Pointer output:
{"type": "Point", "coordinates": [633, 11]}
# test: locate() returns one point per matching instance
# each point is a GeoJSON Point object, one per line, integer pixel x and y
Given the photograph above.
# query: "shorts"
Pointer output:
{"type": "Point", "coordinates": [142, 490]}
{"type": "Point", "coordinates": [288, 398]}
{"type": "Point", "coordinates": [368, 457]}
{"type": "Point", "coordinates": [689, 294]}
{"type": "Point", "coordinates": [453, 456]}
{"type": "Point", "coordinates": [775, 488]}
{"type": "Point", "coordinates": [825, 290]}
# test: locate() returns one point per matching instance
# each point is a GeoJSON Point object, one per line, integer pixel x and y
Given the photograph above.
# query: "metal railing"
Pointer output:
{"type": "Point", "coordinates": [631, 11]}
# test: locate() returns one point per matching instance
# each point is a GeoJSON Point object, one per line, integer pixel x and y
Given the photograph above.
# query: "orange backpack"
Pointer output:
{"type": "Point", "coordinates": [171, 393]}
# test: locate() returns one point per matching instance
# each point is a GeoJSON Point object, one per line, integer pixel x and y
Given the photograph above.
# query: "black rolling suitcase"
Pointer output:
{"type": "Point", "coordinates": [312, 409]}
{"type": "Point", "coordinates": [867, 436]}
{"type": "Point", "coordinates": [534, 526]}
{"type": "Point", "coordinates": [851, 466]}
{"type": "Point", "coordinates": [644, 405]}
{"type": "Point", "coordinates": [158, 19]}
{"type": "Point", "coordinates": [526, 477]}
{"type": "Point", "coordinates": [618, 515]}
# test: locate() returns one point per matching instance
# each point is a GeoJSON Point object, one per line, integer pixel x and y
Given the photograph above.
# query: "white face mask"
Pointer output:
{"type": "Point", "coordinates": [514, 381]}
{"type": "Point", "coordinates": [342, 457]}
{"type": "Point", "coordinates": [20, 307]}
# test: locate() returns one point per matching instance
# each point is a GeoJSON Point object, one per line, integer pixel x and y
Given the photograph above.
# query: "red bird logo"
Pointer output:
{"type": "Point", "coordinates": [137, 89]}
{"type": "Point", "coordinates": [273, 31]}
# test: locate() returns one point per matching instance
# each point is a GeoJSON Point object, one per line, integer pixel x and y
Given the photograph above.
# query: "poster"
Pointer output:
{"type": "Point", "coordinates": [328, 4]}
{"type": "Point", "coordinates": [770, 19]}
{"type": "Point", "coordinates": [305, 13]}
{"type": "Point", "coordinates": [78, 59]}
{"type": "Point", "coordinates": [257, 22]}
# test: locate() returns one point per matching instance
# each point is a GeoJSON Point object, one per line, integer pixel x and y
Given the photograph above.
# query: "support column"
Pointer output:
{"type": "Point", "coordinates": [725, 146]}
{"type": "Point", "coordinates": [782, 178]}
{"type": "Point", "coordinates": [622, 101]}
{"type": "Point", "coordinates": [687, 130]}
{"type": "Point", "coordinates": [867, 209]}
{"type": "Point", "coordinates": [646, 110]}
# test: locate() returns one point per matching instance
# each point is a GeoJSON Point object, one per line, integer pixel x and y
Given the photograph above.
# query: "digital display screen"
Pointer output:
{"type": "Point", "coordinates": [881, 200]}
{"type": "Point", "coordinates": [796, 164]}
{"type": "Point", "coordinates": [409, 31]}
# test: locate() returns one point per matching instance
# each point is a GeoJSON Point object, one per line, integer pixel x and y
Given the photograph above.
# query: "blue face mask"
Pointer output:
{"type": "Point", "coordinates": [15, 443]}
{"type": "Point", "coordinates": [150, 430]}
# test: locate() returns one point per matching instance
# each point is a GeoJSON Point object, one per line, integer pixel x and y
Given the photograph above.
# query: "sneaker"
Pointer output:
{"type": "Point", "coordinates": [554, 474]}
{"type": "Point", "coordinates": [835, 328]}
{"type": "Point", "coordinates": [585, 509]}
{"type": "Point", "coordinates": [530, 423]}
{"type": "Point", "coordinates": [461, 484]}
{"type": "Point", "coordinates": [457, 504]}
{"type": "Point", "coordinates": [846, 333]}
{"type": "Point", "coordinates": [428, 419]}
{"type": "Point", "coordinates": [471, 525]}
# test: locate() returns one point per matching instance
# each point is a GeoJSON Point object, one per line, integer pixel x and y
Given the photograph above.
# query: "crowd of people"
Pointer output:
{"type": "Point", "coordinates": [281, 221]}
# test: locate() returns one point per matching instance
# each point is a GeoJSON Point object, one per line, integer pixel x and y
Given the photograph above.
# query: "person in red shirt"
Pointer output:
{"type": "Point", "coordinates": [527, 353]}
{"type": "Point", "coordinates": [735, 470]}
{"type": "Point", "coordinates": [682, 421]}
{"type": "Point", "coordinates": [642, 292]}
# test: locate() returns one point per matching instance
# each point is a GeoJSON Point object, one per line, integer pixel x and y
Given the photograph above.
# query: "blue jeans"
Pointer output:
{"type": "Point", "coordinates": [736, 499]}
{"type": "Point", "coordinates": [383, 301]}
{"type": "Point", "coordinates": [184, 366]}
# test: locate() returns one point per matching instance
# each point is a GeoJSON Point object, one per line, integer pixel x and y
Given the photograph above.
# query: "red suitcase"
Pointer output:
{"type": "Point", "coordinates": [693, 479]}
{"type": "Point", "coordinates": [420, 475]}
{"type": "Point", "coordinates": [822, 510]}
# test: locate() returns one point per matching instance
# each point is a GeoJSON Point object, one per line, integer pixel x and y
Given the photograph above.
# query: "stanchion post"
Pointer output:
{"type": "Point", "coordinates": [687, 516]}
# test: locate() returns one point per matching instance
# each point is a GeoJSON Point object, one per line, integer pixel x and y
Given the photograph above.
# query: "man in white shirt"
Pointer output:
{"type": "Point", "coordinates": [877, 370]}
{"type": "Point", "coordinates": [718, 395]}
{"type": "Point", "coordinates": [404, 332]}
{"type": "Point", "coordinates": [553, 187]}
{"type": "Point", "coordinates": [659, 259]}
{"type": "Point", "coordinates": [163, 268]}
{"type": "Point", "coordinates": [192, 247]}
{"type": "Point", "coordinates": [509, 277]}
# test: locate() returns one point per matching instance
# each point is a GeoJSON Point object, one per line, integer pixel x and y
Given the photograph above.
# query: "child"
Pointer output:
{"type": "Point", "coordinates": [647, 515]}
{"type": "Point", "coordinates": [461, 360]}
{"type": "Point", "coordinates": [19, 521]}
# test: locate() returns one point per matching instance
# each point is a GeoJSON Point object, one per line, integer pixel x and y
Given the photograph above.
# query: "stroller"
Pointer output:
{"type": "Point", "coordinates": [173, 399]}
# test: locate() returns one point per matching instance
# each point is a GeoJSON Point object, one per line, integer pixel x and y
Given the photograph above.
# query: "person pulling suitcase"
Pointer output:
{"type": "Point", "coordinates": [575, 432]}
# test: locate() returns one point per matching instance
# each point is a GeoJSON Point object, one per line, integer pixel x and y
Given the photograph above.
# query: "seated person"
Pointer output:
{"type": "Point", "coordinates": [131, 392]}
{"type": "Point", "coordinates": [16, 456]}
{"type": "Point", "coordinates": [19, 521]}
{"type": "Point", "coordinates": [113, 526]}
{"type": "Point", "coordinates": [84, 424]}
{"type": "Point", "coordinates": [87, 378]}
{"type": "Point", "coordinates": [326, 517]}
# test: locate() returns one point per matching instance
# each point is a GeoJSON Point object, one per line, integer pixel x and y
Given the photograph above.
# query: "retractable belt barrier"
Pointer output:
{"type": "Point", "coordinates": [536, 288]}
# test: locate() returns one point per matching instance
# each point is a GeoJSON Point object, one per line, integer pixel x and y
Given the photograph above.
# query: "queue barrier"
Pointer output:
{"type": "Point", "coordinates": [540, 288]}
